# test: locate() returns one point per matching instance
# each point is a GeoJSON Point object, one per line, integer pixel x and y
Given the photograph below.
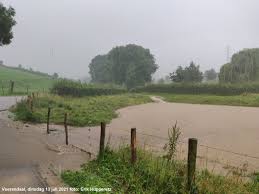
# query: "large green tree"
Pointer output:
{"type": "Point", "coordinates": [6, 24]}
{"type": "Point", "coordinates": [100, 70]}
{"type": "Point", "coordinates": [244, 67]}
{"type": "Point", "coordinates": [190, 73]}
{"type": "Point", "coordinates": [129, 65]}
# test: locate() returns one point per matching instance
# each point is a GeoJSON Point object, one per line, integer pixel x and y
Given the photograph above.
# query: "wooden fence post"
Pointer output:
{"type": "Point", "coordinates": [3, 89]}
{"type": "Point", "coordinates": [31, 104]}
{"type": "Point", "coordinates": [192, 153]}
{"type": "Point", "coordinates": [66, 131]}
{"type": "Point", "coordinates": [102, 139]}
{"type": "Point", "coordinates": [12, 86]}
{"type": "Point", "coordinates": [48, 132]}
{"type": "Point", "coordinates": [133, 145]}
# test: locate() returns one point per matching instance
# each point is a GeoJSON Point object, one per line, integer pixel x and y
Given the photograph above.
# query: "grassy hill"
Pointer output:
{"type": "Point", "coordinates": [24, 80]}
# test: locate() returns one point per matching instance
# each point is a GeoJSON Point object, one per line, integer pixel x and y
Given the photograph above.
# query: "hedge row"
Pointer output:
{"type": "Point", "coordinates": [71, 88]}
{"type": "Point", "coordinates": [202, 88]}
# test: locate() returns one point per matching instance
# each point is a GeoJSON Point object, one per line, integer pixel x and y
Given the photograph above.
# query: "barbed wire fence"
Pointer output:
{"type": "Point", "coordinates": [208, 157]}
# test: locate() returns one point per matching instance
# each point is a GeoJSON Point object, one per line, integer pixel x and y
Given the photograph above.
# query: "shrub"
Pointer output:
{"type": "Point", "coordinates": [71, 88]}
{"type": "Point", "coordinates": [216, 89]}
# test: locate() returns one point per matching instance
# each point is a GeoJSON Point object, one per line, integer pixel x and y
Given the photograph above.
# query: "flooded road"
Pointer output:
{"type": "Point", "coordinates": [227, 135]}
{"type": "Point", "coordinates": [7, 101]}
{"type": "Point", "coordinates": [28, 156]}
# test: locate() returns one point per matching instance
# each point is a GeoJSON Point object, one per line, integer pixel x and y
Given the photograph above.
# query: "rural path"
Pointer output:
{"type": "Point", "coordinates": [29, 157]}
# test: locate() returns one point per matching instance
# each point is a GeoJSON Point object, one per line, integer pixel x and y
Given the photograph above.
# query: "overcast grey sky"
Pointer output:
{"type": "Point", "coordinates": [64, 35]}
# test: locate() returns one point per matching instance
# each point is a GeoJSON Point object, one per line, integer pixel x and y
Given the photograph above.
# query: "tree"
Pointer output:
{"type": "Point", "coordinates": [55, 75]}
{"type": "Point", "coordinates": [190, 73]}
{"type": "Point", "coordinates": [129, 65]}
{"type": "Point", "coordinates": [244, 67]}
{"type": "Point", "coordinates": [100, 69]}
{"type": "Point", "coordinates": [178, 75]}
{"type": "Point", "coordinates": [161, 81]}
{"type": "Point", "coordinates": [210, 74]}
{"type": "Point", "coordinates": [6, 24]}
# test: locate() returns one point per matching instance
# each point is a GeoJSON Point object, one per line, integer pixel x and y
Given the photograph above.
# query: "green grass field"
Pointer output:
{"type": "Point", "coordinates": [23, 80]}
{"type": "Point", "coordinates": [251, 100]}
{"type": "Point", "coordinates": [85, 111]}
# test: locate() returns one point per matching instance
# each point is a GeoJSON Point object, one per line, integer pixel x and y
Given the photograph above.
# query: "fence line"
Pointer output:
{"type": "Point", "coordinates": [202, 145]}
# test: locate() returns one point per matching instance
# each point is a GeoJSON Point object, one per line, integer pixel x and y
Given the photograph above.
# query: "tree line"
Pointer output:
{"type": "Point", "coordinates": [133, 65]}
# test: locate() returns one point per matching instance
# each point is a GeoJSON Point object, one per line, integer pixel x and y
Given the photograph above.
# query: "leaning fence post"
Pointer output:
{"type": "Point", "coordinates": [12, 86]}
{"type": "Point", "coordinates": [192, 153]}
{"type": "Point", "coordinates": [48, 132]}
{"type": "Point", "coordinates": [133, 145]}
{"type": "Point", "coordinates": [102, 139]}
{"type": "Point", "coordinates": [65, 125]}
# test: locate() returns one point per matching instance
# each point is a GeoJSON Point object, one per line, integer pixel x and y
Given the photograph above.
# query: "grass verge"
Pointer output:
{"type": "Point", "coordinates": [87, 111]}
{"type": "Point", "coordinates": [149, 175]}
{"type": "Point", "coordinates": [251, 100]}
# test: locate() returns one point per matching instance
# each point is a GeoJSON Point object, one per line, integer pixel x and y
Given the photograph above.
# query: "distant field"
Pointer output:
{"type": "Point", "coordinates": [251, 100]}
{"type": "Point", "coordinates": [23, 80]}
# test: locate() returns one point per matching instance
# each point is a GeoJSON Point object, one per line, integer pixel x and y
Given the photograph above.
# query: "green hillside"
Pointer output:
{"type": "Point", "coordinates": [24, 80]}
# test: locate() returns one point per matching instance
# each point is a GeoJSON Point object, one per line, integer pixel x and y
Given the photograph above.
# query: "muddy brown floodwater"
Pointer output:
{"type": "Point", "coordinates": [228, 136]}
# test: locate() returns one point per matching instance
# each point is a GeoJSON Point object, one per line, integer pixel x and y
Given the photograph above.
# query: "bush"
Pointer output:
{"type": "Point", "coordinates": [216, 89]}
{"type": "Point", "coordinates": [23, 113]}
{"type": "Point", "coordinates": [71, 88]}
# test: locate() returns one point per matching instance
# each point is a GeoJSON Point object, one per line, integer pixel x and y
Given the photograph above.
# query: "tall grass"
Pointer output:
{"type": "Point", "coordinates": [151, 175]}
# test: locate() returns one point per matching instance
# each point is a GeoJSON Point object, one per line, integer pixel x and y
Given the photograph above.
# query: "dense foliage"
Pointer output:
{"type": "Point", "coordinates": [190, 73]}
{"type": "Point", "coordinates": [78, 89]}
{"type": "Point", "coordinates": [200, 88]}
{"type": "Point", "coordinates": [6, 24]}
{"type": "Point", "coordinates": [129, 65]}
{"type": "Point", "coordinates": [244, 67]}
